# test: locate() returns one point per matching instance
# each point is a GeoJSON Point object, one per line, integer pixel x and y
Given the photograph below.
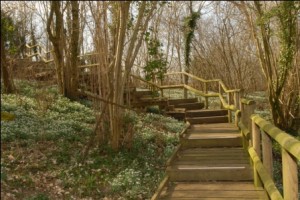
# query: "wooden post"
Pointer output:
{"type": "Point", "coordinates": [256, 146]}
{"type": "Point", "coordinates": [220, 92]}
{"type": "Point", "coordinates": [229, 103]}
{"type": "Point", "coordinates": [185, 93]}
{"type": "Point", "coordinates": [256, 141]}
{"type": "Point", "coordinates": [161, 90]}
{"type": "Point", "coordinates": [236, 99]}
{"type": "Point", "coordinates": [206, 98]}
{"type": "Point", "coordinates": [289, 176]}
{"type": "Point", "coordinates": [267, 152]}
{"type": "Point", "coordinates": [243, 113]}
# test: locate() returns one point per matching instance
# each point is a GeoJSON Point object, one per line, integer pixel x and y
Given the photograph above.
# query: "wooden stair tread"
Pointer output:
{"type": "Point", "coordinates": [198, 164]}
{"type": "Point", "coordinates": [190, 106]}
{"type": "Point", "coordinates": [176, 111]}
{"type": "Point", "coordinates": [210, 162]}
{"type": "Point", "coordinates": [217, 157]}
{"type": "Point", "coordinates": [206, 113]}
{"type": "Point", "coordinates": [217, 125]}
{"type": "Point", "coordinates": [212, 152]}
{"type": "Point", "coordinates": [223, 190]}
{"type": "Point", "coordinates": [153, 99]}
{"type": "Point", "coordinates": [213, 130]}
{"type": "Point", "coordinates": [219, 150]}
{"type": "Point", "coordinates": [179, 101]}
{"type": "Point", "coordinates": [207, 120]}
{"type": "Point", "coordinates": [220, 185]}
{"type": "Point", "coordinates": [204, 136]}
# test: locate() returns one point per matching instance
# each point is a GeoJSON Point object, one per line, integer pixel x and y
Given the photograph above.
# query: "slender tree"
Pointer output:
{"type": "Point", "coordinates": [190, 23]}
{"type": "Point", "coordinates": [277, 68]}
{"type": "Point", "coordinates": [65, 50]}
{"type": "Point", "coordinates": [6, 28]}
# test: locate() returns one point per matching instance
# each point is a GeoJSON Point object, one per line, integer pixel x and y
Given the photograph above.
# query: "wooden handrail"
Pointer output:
{"type": "Point", "coordinates": [38, 54]}
{"type": "Point", "coordinates": [145, 81]}
{"type": "Point", "coordinates": [198, 92]}
{"type": "Point", "coordinates": [247, 101]}
{"type": "Point", "coordinates": [226, 90]}
{"type": "Point", "coordinates": [285, 140]}
{"type": "Point", "coordinates": [226, 105]}
{"type": "Point", "coordinates": [261, 148]}
{"type": "Point", "coordinates": [87, 54]}
{"type": "Point", "coordinates": [162, 87]}
{"type": "Point", "coordinates": [41, 47]}
{"type": "Point", "coordinates": [264, 175]}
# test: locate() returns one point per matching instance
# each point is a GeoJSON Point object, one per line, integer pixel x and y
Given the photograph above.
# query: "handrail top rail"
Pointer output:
{"type": "Point", "coordinates": [288, 142]}
{"type": "Point", "coordinates": [38, 45]}
{"type": "Point", "coordinates": [247, 101]}
{"type": "Point", "coordinates": [204, 80]}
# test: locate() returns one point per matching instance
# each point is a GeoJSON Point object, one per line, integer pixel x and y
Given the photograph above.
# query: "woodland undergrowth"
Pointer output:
{"type": "Point", "coordinates": [42, 148]}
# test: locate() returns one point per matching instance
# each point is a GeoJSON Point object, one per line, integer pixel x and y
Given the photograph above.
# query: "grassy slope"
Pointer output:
{"type": "Point", "coordinates": [41, 149]}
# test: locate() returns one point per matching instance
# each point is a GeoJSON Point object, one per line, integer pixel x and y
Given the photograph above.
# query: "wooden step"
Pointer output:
{"type": "Point", "coordinates": [223, 172]}
{"type": "Point", "coordinates": [213, 155]}
{"type": "Point", "coordinates": [207, 120]}
{"type": "Point", "coordinates": [212, 191]}
{"type": "Point", "coordinates": [146, 103]}
{"type": "Point", "coordinates": [200, 164]}
{"type": "Point", "coordinates": [211, 140]}
{"type": "Point", "coordinates": [190, 106]}
{"type": "Point", "coordinates": [143, 93]}
{"type": "Point", "coordinates": [212, 135]}
{"type": "Point", "coordinates": [214, 128]}
{"type": "Point", "coordinates": [205, 113]}
{"type": "Point", "coordinates": [181, 101]}
{"type": "Point", "coordinates": [152, 96]}
{"type": "Point", "coordinates": [178, 114]}
{"type": "Point", "coordinates": [170, 108]}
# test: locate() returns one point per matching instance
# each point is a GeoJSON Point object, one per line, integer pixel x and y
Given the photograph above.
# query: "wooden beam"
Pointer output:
{"type": "Point", "coordinates": [267, 153]}
{"type": "Point", "coordinates": [160, 188]}
{"type": "Point", "coordinates": [289, 176]}
{"type": "Point", "coordinates": [256, 147]}
{"type": "Point", "coordinates": [173, 156]}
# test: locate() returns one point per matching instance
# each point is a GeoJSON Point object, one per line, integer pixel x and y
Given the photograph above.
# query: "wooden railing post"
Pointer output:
{"type": "Point", "coordinates": [289, 176]}
{"type": "Point", "coordinates": [267, 153]}
{"type": "Point", "coordinates": [236, 99]}
{"type": "Point", "coordinates": [256, 146]}
{"type": "Point", "coordinates": [161, 90]}
{"type": "Point", "coordinates": [250, 111]}
{"type": "Point", "coordinates": [185, 93]}
{"type": "Point", "coordinates": [247, 109]}
{"type": "Point", "coordinates": [229, 103]}
{"type": "Point", "coordinates": [206, 98]}
{"type": "Point", "coordinates": [220, 92]}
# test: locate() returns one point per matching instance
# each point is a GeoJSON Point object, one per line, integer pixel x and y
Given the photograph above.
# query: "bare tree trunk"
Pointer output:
{"type": "Point", "coordinates": [116, 114]}
{"type": "Point", "coordinates": [8, 83]}
{"type": "Point", "coordinates": [72, 78]}
{"type": "Point", "coordinates": [56, 39]}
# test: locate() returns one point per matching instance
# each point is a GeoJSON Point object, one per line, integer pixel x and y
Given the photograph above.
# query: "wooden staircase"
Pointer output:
{"type": "Point", "coordinates": [210, 162]}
